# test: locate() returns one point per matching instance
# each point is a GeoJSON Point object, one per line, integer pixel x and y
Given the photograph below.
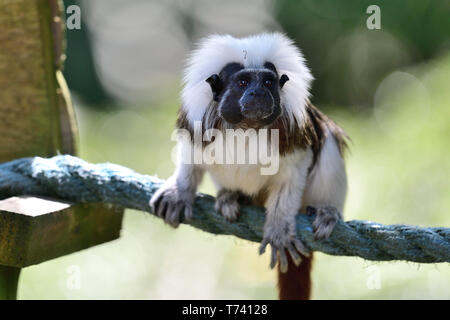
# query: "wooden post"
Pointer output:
{"type": "Point", "coordinates": [37, 119]}
{"type": "Point", "coordinates": [31, 101]}
{"type": "Point", "coordinates": [9, 278]}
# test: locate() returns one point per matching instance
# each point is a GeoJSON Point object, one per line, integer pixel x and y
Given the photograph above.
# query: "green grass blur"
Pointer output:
{"type": "Point", "coordinates": [398, 171]}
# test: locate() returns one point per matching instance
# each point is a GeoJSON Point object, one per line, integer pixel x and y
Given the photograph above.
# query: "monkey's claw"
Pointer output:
{"type": "Point", "coordinates": [281, 243]}
{"type": "Point", "coordinates": [325, 221]}
{"type": "Point", "coordinates": [169, 204]}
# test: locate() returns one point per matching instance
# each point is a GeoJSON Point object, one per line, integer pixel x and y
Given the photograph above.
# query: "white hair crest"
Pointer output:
{"type": "Point", "coordinates": [216, 51]}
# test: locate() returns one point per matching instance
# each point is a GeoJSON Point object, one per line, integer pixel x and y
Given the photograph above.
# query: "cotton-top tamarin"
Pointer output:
{"type": "Point", "coordinates": [254, 84]}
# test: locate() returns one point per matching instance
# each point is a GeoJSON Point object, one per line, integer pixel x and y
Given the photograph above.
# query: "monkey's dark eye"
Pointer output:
{"type": "Point", "coordinates": [268, 83]}
{"type": "Point", "coordinates": [243, 83]}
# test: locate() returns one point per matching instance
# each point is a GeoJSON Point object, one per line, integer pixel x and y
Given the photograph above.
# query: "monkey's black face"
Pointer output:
{"type": "Point", "coordinates": [250, 97]}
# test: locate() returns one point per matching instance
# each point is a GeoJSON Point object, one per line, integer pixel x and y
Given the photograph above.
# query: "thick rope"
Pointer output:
{"type": "Point", "coordinates": [73, 179]}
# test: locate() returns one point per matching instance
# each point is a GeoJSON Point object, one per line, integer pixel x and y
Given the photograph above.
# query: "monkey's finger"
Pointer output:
{"type": "Point", "coordinates": [162, 208]}
{"type": "Point", "coordinates": [294, 255]}
{"type": "Point", "coordinates": [323, 221]}
{"type": "Point", "coordinates": [320, 235]}
{"type": "Point", "coordinates": [151, 204]}
{"type": "Point", "coordinates": [174, 223]}
{"type": "Point", "coordinates": [262, 247]}
{"type": "Point", "coordinates": [168, 211]}
{"type": "Point", "coordinates": [183, 212]}
{"type": "Point", "coordinates": [273, 258]}
{"type": "Point", "coordinates": [187, 213]}
{"type": "Point", "coordinates": [217, 206]}
{"type": "Point", "coordinates": [179, 212]}
{"type": "Point", "coordinates": [172, 216]}
{"type": "Point", "coordinates": [154, 202]}
{"type": "Point", "coordinates": [283, 261]}
{"type": "Point", "coordinates": [301, 248]}
{"type": "Point", "coordinates": [322, 230]}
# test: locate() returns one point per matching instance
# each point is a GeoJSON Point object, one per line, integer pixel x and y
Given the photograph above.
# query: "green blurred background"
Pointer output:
{"type": "Point", "coordinates": [389, 89]}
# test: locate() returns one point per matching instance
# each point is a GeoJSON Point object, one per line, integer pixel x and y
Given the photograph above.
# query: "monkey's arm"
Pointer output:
{"type": "Point", "coordinates": [282, 205]}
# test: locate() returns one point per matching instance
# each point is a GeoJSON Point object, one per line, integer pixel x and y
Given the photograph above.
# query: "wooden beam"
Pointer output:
{"type": "Point", "coordinates": [33, 230]}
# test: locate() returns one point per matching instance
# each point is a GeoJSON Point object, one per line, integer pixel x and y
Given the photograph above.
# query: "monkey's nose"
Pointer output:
{"type": "Point", "coordinates": [256, 105]}
{"type": "Point", "coordinates": [257, 93]}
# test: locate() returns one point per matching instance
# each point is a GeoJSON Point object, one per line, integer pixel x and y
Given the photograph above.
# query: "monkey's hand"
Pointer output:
{"type": "Point", "coordinates": [282, 237]}
{"type": "Point", "coordinates": [172, 204]}
{"type": "Point", "coordinates": [326, 219]}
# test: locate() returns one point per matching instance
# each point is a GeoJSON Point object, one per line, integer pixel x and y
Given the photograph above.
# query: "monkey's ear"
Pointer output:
{"type": "Point", "coordinates": [284, 78]}
{"type": "Point", "coordinates": [216, 85]}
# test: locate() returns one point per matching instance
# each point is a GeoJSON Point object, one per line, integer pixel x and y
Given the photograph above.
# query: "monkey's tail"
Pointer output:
{"type": "Point", "coordinates": [295, 284]}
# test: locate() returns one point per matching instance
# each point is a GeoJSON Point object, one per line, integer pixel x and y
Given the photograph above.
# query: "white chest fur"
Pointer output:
{"type": "Point", "coordinates": [242, 160]}
{"type": "Point", "coordinates": [246, 178]}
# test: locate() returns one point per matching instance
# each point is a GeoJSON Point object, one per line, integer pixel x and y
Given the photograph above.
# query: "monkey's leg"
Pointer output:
{"type": "Point", "coordinates": [227, 203]}
{"type": "Point", "coordinates": [326, 219]}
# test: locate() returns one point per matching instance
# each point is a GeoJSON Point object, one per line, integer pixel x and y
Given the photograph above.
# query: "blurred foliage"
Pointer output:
{"type": "Point", "coordinates": [398, 173]}
{"type": "Point", "coordinates": [79, 68]}
{"type": "Point", "coordinates": [347, 59]}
